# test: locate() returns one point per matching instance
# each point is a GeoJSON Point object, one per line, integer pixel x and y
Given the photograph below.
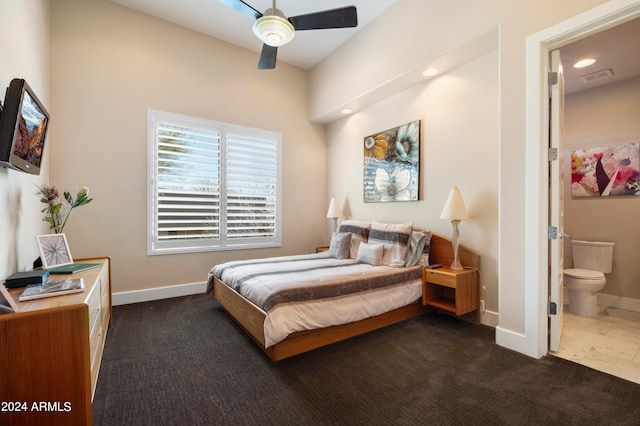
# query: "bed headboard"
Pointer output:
{"type": "Point", "coordinates": [441, 251]}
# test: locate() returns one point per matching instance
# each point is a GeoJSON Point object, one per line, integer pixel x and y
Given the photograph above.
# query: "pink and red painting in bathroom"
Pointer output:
{"type": "Point", "coordinates": [605, 172]}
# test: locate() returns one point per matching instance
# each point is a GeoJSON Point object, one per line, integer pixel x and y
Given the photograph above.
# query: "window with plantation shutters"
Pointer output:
{"type": "Point", "coordinates": [212, 186]}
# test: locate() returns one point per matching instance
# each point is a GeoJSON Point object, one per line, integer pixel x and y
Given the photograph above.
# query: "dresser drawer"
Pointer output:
{"type": "Point", "coordinates": [94, 335]}
{"type": "Point", "coordinates": [96, 357]}
{"type": "Point", "coordinates": [95, 305]}
{"type": "Point", "coordinates": [105, 299]}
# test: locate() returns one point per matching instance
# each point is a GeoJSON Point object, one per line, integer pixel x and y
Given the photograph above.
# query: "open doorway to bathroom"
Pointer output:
{"type": "Point", "coordinates": [601, 106]}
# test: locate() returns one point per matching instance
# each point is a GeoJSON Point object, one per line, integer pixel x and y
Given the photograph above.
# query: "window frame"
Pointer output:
{"type": "Point", "coordinates": [225, 130]}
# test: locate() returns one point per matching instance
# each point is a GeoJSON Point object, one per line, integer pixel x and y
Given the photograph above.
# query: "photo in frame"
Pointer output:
{"type": "Point", "coordinates": [392, 164]}
{"type": "Point", "coordinates": [54, 250]}
{"type": "Point", "coordinates": [7, 304]}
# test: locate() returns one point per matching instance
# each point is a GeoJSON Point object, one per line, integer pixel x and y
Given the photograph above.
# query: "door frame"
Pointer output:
{"type": "Point", "coordinates": [538, 46]}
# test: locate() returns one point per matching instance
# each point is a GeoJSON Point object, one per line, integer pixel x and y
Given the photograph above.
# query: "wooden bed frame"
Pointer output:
{"type": "Point", "coordinates": [251, 318]}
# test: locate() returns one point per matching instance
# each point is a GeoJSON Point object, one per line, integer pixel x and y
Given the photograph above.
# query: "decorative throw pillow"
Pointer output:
{"type": "Point", "coordinates": [395, 238]}
{"type": "Point", "coordinates": [416, 245]}
{"type": "Point", "coordinates": [359, 234]}
{"type": "Point", "coordinates": [370, 253]}
{"type": "Point", "coordinates": [340, 245]}
{"type": "Point", "coordinates": [424, 256]}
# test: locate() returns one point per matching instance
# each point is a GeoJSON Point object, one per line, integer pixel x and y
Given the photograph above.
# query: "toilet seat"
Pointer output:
{"type": "Point", "coordinates": [584, 274]}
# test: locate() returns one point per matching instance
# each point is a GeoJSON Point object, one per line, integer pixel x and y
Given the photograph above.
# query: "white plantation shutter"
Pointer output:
{"type": "Point", "coordinates": [212, 186]}
{"type": "Point", "coordinates": [251, 187]}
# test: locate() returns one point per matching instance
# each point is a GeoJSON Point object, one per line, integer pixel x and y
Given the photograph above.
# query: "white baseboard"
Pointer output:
{"type": "Point", "coordinates": [490, 318]}
{"type": "Point", "coordinates": [517, 342]}
{"type": "Point", "coordinates": [626, 303]}
{"type": "Point", "coordinates": [147, 295]}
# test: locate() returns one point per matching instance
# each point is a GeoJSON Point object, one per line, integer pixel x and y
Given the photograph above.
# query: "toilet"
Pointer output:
{"type": "Point", "coordinates": [591, 260]}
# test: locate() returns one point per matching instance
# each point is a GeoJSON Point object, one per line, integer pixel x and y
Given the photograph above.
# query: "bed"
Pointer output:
{"type": "Point", "coordinates": [292, 304]}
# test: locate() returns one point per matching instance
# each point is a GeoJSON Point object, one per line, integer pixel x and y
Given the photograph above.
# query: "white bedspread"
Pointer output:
{"type": "Point", "coordinates": [259, 280]}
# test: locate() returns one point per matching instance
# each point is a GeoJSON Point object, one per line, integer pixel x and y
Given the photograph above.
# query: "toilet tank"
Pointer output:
{"type": "Point", "coordinates": [593, 255]}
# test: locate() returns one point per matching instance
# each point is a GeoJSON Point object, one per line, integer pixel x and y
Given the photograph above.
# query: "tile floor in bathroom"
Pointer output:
{"type": "Point", "coordinates": [608, 342]}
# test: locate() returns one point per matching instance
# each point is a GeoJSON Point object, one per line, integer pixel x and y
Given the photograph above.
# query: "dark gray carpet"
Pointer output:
{"type": "Point", "coordinates": [183, 361]}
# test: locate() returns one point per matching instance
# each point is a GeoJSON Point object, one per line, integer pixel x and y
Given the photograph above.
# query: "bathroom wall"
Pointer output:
{"type": "Point", "coordinates": [600, 117]}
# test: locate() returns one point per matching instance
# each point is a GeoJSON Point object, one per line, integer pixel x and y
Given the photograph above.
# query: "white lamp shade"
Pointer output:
{"type": "Point", "coordinates": [454, 208]}
{"type": "Point", "coordinates": [334, 211]}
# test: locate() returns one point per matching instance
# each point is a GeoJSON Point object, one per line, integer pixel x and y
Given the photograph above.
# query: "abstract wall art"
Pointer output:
{"type": "Point", "coordinates": [605, 172]}
{"type": "Point", "coordinates": [392, 164]}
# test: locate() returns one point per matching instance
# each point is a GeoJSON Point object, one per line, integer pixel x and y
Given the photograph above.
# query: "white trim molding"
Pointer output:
{"type": "Point", "coordinates": [534, 341]}
{"type": "Point", "coordinates": [158, 293]}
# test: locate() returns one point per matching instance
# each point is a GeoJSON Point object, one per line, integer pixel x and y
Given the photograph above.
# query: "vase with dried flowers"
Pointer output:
{"type": "Point", "coordinates": [57, 210]}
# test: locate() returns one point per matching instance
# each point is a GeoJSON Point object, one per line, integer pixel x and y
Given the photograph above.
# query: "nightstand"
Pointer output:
{"type": "Point", "coordinates": [449, 290]}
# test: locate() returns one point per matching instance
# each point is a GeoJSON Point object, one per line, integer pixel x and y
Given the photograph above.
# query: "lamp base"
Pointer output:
{"type": "Point", "coordinates": [455, 240]}
{"type": "Point", "coordinates": [456, 266]}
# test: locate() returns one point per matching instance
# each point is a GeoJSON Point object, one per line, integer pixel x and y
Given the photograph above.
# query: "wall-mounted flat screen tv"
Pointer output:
{"type": "Point", "coordinates": [23, 128]}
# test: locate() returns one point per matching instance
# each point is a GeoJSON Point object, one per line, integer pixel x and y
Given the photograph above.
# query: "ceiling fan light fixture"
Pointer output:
{"type": "Point", "coordinates": [274, 30]}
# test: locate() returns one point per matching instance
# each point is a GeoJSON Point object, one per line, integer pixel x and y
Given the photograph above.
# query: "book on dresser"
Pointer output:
{"type": "Point", "coordinates": [74, 268]}
{"type": "Point", "coordinates": [52, 288]}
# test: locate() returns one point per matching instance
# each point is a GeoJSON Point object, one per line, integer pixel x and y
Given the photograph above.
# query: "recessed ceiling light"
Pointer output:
{"type": "Point", "coordinates": [584, 63]}
{"type": "Point", "coordinates": [347, 111]}
{"type": "Point", "coordinates": [430, 72]}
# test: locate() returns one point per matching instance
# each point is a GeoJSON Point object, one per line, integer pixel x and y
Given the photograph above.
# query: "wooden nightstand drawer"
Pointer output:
{"type": "Point", "coordinates": [436, 276]}
{"type": "Point", "coordinates": [451, 290]}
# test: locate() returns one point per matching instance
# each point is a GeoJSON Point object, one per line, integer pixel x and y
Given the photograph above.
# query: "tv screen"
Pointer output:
{"type": "Point", "coordinates": [23, 128]}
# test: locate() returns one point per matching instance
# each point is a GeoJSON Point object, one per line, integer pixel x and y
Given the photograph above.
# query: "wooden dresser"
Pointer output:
{"type": "Point", "coordinates": [50, 352]}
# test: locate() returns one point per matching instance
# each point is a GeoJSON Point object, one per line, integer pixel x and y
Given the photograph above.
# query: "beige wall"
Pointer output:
{"type": "Point", "coordinates": [605, 116]}
{"type": "Point", "coordinates": [412, 32]}
{"type": "Point", "coordinates": [110, 64]}
{"type": "Point", "coordinates": [459, 146]}
{"type": "Point", "coordinates": [20, 219]}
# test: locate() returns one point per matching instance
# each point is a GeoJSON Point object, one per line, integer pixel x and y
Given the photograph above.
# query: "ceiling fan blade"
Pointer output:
{"type": "Point", "coordinates": [268, 57]}
{"type": "Point", "coordinates": [344, 17]}
{"type": "Point", "coordinates": [242, 7]}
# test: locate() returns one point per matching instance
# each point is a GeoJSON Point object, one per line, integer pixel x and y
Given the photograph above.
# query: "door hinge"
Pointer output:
{"type": "Point", "coordinates": [552, 233]}
{"type": "Point", "coordinates": [552, 308]}
{"type": "Point", "coordinates": [552, 154]}
{"type": "Point", "coordinates": [553, 78]}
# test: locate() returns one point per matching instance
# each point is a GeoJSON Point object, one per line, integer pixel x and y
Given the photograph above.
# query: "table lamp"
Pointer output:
{"type": "Point", "coordinates": [334, 213]}
{"type": "Point", "coordinates": [455, 211]}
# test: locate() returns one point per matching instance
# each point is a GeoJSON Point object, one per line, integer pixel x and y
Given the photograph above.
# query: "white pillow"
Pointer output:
{"type": "Point", "coordinates": [370, 253]}
{"type": "Point", "coordinates": [395, 238]}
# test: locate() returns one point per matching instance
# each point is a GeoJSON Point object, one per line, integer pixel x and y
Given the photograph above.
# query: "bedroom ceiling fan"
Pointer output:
{"type": "Point", "coordinates": [274, 29]}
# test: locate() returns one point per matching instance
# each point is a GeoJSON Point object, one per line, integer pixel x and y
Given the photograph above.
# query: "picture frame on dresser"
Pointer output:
{"type": "Point", "coordinates": [7, 304]}
{"type": "Point", "coordinates": [54, 250]}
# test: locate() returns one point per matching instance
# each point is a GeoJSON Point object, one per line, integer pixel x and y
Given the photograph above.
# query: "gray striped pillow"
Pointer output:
{"type": "Point", "coordinates": [359, 234]}
{"type": "Point", "coordinates": [395, 239]}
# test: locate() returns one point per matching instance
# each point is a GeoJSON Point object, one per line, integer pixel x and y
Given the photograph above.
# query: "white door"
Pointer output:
{"type": "Point", "coordinates": [556, 213]}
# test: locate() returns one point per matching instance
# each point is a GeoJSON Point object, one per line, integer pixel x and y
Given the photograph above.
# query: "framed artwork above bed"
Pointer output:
{"type": "Point", "coordinates": [392, 164]}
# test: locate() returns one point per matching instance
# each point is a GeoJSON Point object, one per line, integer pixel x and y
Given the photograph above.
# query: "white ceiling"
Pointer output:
{"type": "Point", "coordinates": [617, 49]}
{"type": "Point", "coordinates": [220, 21]}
